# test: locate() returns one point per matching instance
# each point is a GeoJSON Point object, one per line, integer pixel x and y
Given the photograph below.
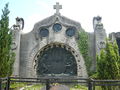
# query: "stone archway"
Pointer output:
{"type": "Point", "coordinates": [55, 59]}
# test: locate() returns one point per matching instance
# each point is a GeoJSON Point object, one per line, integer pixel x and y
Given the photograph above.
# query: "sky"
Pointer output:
{"type": "Point", "coordinates": [82, 11]}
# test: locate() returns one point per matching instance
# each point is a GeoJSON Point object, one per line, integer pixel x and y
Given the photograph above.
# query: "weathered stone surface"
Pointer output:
{"type": "Point", "coordinates": [99, 34]}
{"type": "Point", "coordinates": [99, 38]}
{"type": "Point", "coordinates": [31, 45]}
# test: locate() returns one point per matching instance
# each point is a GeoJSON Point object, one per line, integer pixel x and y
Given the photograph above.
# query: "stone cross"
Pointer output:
{"type": "Point", "coordinates": [57, 7]}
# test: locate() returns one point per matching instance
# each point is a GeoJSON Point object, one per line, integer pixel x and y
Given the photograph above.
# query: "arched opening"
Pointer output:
{"type": "Point", "coordinates": [56, 60]}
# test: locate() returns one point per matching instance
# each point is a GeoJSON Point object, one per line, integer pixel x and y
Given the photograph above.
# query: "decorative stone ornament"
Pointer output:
{"type": "Point", "coordinates": [101, 44]}
{"type": "Point", "coordinates": [57, 7]}
{"type": "Point", "coordinates": [14, 45]}
{"type": "Point", "coordinates": [71, 31]}
{"type": "Point", "coordinates": [44, 32]}
{"type": "Point", "coordinates": [57, 27]}
{"type": "Point", "coordinates": [50, 60]}
{"type": "Point", "coordinates": [49, 50]}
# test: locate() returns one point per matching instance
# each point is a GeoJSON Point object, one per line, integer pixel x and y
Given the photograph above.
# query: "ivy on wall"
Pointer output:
{"type": "Point", "coordinates": [83, 47]}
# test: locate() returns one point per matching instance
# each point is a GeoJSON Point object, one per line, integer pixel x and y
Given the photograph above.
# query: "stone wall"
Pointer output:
{"type": "Point", "coordinates": [32, 43]}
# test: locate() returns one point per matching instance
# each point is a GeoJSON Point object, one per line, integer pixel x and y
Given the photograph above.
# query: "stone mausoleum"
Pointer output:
{"type": "Point", "coordinates": [51, 48]}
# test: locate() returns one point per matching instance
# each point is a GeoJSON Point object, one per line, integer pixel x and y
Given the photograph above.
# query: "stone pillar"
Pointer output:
{"type": "Point", "coordinates": [16, 49]}
{"type": "Point", "coordinates": [99, 37]}
{"type": "Point", "coordinates": [99, 34]}
{"type": "Point", "coordinates": [16, 44]}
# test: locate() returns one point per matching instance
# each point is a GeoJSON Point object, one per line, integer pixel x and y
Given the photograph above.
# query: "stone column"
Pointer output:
{"type": "Point", "coordinates": [16, 49]}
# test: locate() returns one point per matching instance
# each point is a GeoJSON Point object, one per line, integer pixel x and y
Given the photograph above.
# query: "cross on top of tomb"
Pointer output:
{"type": "Point", "coordinates": [57, 7]}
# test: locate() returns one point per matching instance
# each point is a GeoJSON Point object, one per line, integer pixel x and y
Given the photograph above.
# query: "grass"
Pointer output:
{"type": "Point", "coordinates": [39, 86]}
{"type": "Point", "coordinates": [78, 87]}
{"type": "Point", "coordinates": [17, 85]}
{"type": "Point", "coordinates": [28, 86]}
{"type": "Point", "coordinates": [34, 87]}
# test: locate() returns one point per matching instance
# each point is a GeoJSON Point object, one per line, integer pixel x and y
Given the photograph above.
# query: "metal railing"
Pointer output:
{"type": "Point", "coordinates": [90, 83]}
{"type": "Point", "coordinates": [4, 83]}
{"type": "Point", "coordinates": [105, 83]}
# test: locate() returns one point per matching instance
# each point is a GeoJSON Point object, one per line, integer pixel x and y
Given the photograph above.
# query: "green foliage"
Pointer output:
{"type": "Point", "coordinates": [34, 87]}
{"type": "Point", "coordinates": [16, 85]}
{"type": "Point", "coordinates": [108, 63]}
{"type": "Point", "coordinates": [6, 55]}
{"type": "Point", "coordinates": [83, 46]}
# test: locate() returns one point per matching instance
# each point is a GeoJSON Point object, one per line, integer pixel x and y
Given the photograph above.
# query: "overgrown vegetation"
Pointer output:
{"type": "Point", "coordinates": [108, 64]}
{"type": "Point", "coordinates": [17, 85]}
{"type": "Point", "coordinates": [83, 46]}
{"type": "Point", "coordinates": [6, 55]}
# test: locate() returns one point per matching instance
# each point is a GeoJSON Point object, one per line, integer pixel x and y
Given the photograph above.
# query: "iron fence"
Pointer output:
{"type": "Point", "coordinates": [89, 83]}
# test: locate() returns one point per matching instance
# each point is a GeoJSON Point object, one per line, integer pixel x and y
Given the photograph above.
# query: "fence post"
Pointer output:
{"type": "Point", "coordinates": [89, 84]}
{"type": "Point", "coordinates": [8, 84]}
{"type": "Point", "coordinates": [93, 85]}
{"type": "Point", "coordinates": [47, 84]}
{"type": "Point", "coordinates": [0, 84]}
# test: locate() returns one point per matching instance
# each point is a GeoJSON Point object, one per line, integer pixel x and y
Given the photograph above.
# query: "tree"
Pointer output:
{"type": "Point", "coordinates": [6, 54]}
{"type": "Point", "coordinates": [108, 63]}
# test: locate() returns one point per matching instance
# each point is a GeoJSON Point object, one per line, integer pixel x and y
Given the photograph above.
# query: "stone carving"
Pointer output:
{"type": "Point", "coordinates": [15, 32]}
{"type": "Point", "coordinates": [98, 18]}
{"type": "Point", "coordinates": [97, 23]}
{"type": "Point", "coordinates": [57, 27]}
{"type": "Point", "coordinates": [33, 48]}
{"type": "Point", "coordinates": [71, 31]}
{"type": "Point", "coordinates": [57, 7]}
{"type": "Point", "coordinates": [50, 21]}
{"type": "Point", "coordinates": [44, 32]}
{"type": "Point", "coordinates": [52, 59]}
{"type": "Point", "coordinates": [19, 24]}
{"type": "Point", "coordinates": [99, 26]}
{"type": "Point", "coordinates": [101, 44]}
{"type": "Point", "coordinates": [14, 45]}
